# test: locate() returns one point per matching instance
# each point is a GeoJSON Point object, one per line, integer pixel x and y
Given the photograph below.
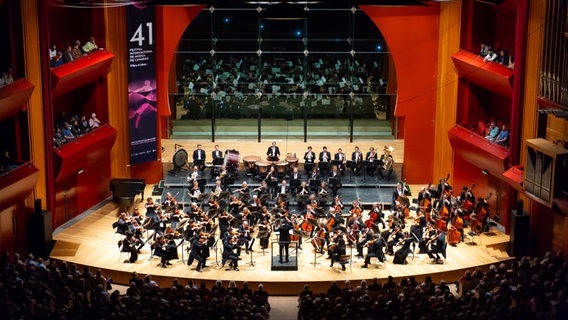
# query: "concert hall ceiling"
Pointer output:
{"type": "Point", "coordinates": [248, 3]}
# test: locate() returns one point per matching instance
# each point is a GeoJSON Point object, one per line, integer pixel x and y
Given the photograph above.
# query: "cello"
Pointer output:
{"type": "Point", "coordinates": [306, 225]}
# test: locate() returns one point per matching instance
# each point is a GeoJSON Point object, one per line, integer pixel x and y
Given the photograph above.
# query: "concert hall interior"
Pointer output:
{"type": "Point", "coordinates": [431, 135]}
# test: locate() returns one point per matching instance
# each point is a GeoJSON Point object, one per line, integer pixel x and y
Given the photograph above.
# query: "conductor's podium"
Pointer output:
{"type": "Point", "coordinates": [291, 265]}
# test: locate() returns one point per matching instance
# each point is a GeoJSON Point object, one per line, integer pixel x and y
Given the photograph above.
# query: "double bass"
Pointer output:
{"type": "Point", "coordinates": [454, 227]}
{"type": "Point", "coordinates": [426, 204]}
{"type": "Point", "coordinates": [480, 214]}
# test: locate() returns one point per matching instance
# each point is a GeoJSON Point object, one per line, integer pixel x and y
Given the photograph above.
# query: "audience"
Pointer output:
{"type": "Point", "coordinates": [37, 289]}
{"type": "Point", "coordinates": [500, 56]}
{"type": "Point", "coordinates": [72, 52]}
{"type": "Point", "coordinates": [69, 129]}
{"type": "Point", "coordinates": [527, 289]}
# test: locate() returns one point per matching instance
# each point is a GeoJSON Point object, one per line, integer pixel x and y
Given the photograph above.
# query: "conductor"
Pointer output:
{"type": "Point", "coordinates": [273, 152]}
{"type": "Point", "coordinates": [284, 239]}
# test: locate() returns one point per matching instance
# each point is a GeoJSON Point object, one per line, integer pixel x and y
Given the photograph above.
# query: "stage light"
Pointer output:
{"type": "Point", "coordinates": [227, 20]}
{"type": "Point", "coordinates": [379, 47]}
{"type": "Point", "coordinates": [298, 33]}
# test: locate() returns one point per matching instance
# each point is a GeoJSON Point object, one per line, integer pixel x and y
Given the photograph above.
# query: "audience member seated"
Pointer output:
{"type": "Point", "coordinates": [493, 132]}
{"type": "Point", "coordinates": [68, 129]}
{"type": "Point", "coordinates": [503, 137]}
{"type": "Point", "coordinates": [491, 56]}
{"type": "Point", "coordinates": [90, 46]}
{"type": "Point", "coordinates": [57, 60]}
{"type": "Point", "coordinates": [94, 122]}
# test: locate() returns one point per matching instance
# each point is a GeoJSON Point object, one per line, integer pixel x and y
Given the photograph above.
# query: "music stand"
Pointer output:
{"type": "Point", "coordinates": [218, 162]}
{"type": "Point", "coordinates": [323, 198]}
{"type": "Point", "coordinates": [283, 197]}
{"type": "Point", "coordinates": [265, 197]}
{"type": "Point", "coordinates": [301, 198]}
{"type": "Point", "coordinates": [224, 195]}
{"type": "Point", "coordinates": [227, 181]}
{"type": "Point", "coordinates": [272, 184]}
{"type": "Point", "coordinates": [201, 183]}
{"type": "Point", "coordinates": [319, 212]}
{"type": "Point", "coordinates": [309, 167]}
{"type": "Point", "coordinates": [314, 183]}
{"type": "Point", "coordinates": [324, 167]}
{"type": "Point", "coordinates": [294, 184]}
{"type": "Point", "coordinates": [334, 183]}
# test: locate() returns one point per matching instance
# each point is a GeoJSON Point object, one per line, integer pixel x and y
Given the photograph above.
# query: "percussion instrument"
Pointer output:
{"type": "Point", "coordinates": [232, 158]}
{"type": "Point", "coordinates": [292, 162]}
{"type": "Point", "coordinates": [262, 166]}
{"type": "Point", "coordinates": [250, 161]}
{"type": "Point", "coordinates": [281, 166]}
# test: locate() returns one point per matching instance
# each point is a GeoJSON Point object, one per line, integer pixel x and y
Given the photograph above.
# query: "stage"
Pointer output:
{"type": "Point", "coordinates": [90, 240]}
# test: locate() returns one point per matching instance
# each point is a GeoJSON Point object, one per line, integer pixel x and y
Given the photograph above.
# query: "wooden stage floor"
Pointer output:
{"type": "Point", "coordinates": [90, 240]}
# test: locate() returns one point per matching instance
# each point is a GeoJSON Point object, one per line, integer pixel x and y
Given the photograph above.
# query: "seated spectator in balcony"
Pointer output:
{"type": "Point", "coordinates": [68, 55]}
{"type": "Point", "coordinates": [76, 51]}
{"type": "Point", "coordinates": [481, 127]}
{"type": "Point", "coordinates": [52, 51]}
{"type": "Point", "coordinates": [484, 50]}
{"type": "Point", "coordinates": [94, 122]}
{"type": "Point", "coordinates": [503, 137]}
{"type": "Point", "coordinates": [8, 77]}
{"type": "Point", "coordinates": [66, 131]}
{"type": "Point", "coordinates": [76, 128]}
{"type": "Point", "coordinates": [58, 138]}
{"type": "Point", "coordinates": [7, 163]}
{"type": "Point", "coordinates": [502, 57]}
{"type": "Point", "coordinates": [90, 46]}
{"type": "Point", "coordinates": [491, 55]}
{"type": "Point", "coordinates": [57, 60]}
{"type": "Point", "coordinates": [511, 62]}
{"type": "Point", "coordinates": [84, 124]}
{"type": "Point", "coordinates": [493, 132]}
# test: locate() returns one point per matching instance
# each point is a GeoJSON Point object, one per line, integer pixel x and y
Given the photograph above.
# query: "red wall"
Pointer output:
{"type": "Point", "coordinates": [412, 36]}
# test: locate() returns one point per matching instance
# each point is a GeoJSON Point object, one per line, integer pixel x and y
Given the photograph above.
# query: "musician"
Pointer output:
{"type": "Point", "coordinates": [265, 214]}
{"type": "Point", "coordinates": [337, 249]}
{"type": "Point", "coordinates": [428, 233]}
{"type": "Point", "coordinates": [244, 192]}
{"type": "Point", "coordinates": [437, 246]}
{"type": "Point", "coordinates": [195, 191]}
{"type": "Point", "coordinates": [386, 162]}
{"type": "Point", "coordinates": [423, 194]}
{"type": "Point", "coordinates": [417, 228]}
{"type": "Point", "coordinates": [401, 254]}
{"type": "Point", "coordinates": [195, 174]}
{"type": "Point", "coordinates": [375, 248]}
{"type": "Point", "coordinates": [399, 192]}
{"type": "Point", "coordinates": [365, 235]}
{"type": "Point", "coordinates": [313, 201]}
{"type": "Point", "coordinates": [264, 233]}
{"type": "Point", "coordinates": [199, 157]}
{"type": "Point", "coordinates": [371, 158]}
{"type": "Point", "coordinates": [176, 218]}
{"type": "Point", "coordinates": [128, 244]}
{"type": "Point", "coordinates": [324, 161]}
{"type": "Point", "coordinates": [225, 220]}
{"type": "Point", "coordinates": [337, 203]}
{"type": "Point", "coordinates": [217, 189]}
{"type": "Point", "coordinates": [376, 216]}
{"type": "Point", "coordinates": [217, 156]}
{"type": "Point", "coordinates": [323, 194]}
{"type": "Point", "coordinates": [357, 158]}
{"type": "Point", "coordinates": [271, 175]}
{"type": "Point", "coordinates": [160, 220]}
{"type": "Point", "coordinates": [245, 237]}
{"type": "Point", "coordinates": [196, 253]}
{"type": "Point", "coordinates": [230, 246]}
{"type": "Point", "coordinates": [310, 156]}
{"type": "Point", "coordinates": [467, 199]}
{"type": "Point", "coordinates": [122, 224]}
{"type": "Point", "coordinates": [393, 238]}
{"type": "Point", "coordinates": [340, 156]}
{"type": "Point", "coordinates": [235, 207]}
{"type": "Point", "coordinates": [159, 248]}
{"type": "Point", "coordinates": [282, 192]}
{"type": "Point", "coordinates": [397, 216]}
{"type": "Point", "coordinates": [284, 240]}
{"type": "Point", "coordinates": [273, 152]}
{"type": "Point", "coordinates": [444, 186]}
{"type": "Point", "coordinates": [151, 207]}
{"type": "Point", "coordinates": [295, 175]}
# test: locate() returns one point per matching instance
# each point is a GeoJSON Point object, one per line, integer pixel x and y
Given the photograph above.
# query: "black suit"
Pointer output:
{"type": "Point", "coordinates": [217, 155]}
{"type": "Point", "coordinates": [284, 240]}
{"type": "Point", "coordinates": [199, 158]}
{"type": "Point", "coordinates": [273, 152]}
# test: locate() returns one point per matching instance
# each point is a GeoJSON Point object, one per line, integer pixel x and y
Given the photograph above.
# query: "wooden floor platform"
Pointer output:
{"type": "Point", "coordinates": [90, 240]}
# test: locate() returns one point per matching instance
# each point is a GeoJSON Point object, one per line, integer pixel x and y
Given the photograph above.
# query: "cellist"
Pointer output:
{"type": "Point", "coordinates": [376, 216]}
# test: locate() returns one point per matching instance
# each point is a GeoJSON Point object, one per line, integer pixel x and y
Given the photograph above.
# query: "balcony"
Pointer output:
{"type": "Point", "coordinates": [17, 184]}
{"type": "Point", "coordinates": [83, 152]}
{"type": "Point", "coordinates": [78, 73]}
{"type": "Point", "coordinates": [14, 97]}
{"type": "Point", "coordinates": [478, 151]}
{"type": "Point", "coordinates": [492, 76]}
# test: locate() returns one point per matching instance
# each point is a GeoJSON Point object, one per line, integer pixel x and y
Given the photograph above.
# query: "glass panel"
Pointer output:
{"type": "Point", "coordinates": [283, 63]}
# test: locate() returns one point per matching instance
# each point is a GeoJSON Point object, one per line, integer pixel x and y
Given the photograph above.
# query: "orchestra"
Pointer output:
{"type": "Point", "coordinates": [255, 212]}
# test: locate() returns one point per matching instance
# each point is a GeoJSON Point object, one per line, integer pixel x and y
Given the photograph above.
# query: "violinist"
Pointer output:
{"type": "Point", "coordinates": [217, 189]}
{"type": "Point", "coordinates": [437, 246]}
{"type": "Point", "coordinates": [195, 212]}
{"type": "Point", "coordinates": [151, 207]}
{"type": "Point", "coordinates": [419, 224]}
{"type": "Point", "coordinates": [393, 238]}
{"type": "Point", "coordinates": [427, 234]}
{"type": "Point", "coordinates": [262, 192]}
{"type": "Point", "coordinates": [213, 206]}
{"type": "Point", "coordinates": [122, 224]}
{"type": "Point", "coordinates": [235, 206]}
{"type": "Point", "coordinates": [264, 231]}
{"type": "Point", "coordinates": [365, 235]}
{"type": "Point", "coordinates": [265, 214]}
{"type": "Point", "coordinates": [338, 250]}
{"type": "Point", "coordinates": [225, 220]}
{"type": "Point", "coordinates": [175, 218]}
{"type": "Point", "coordinates": [245, 237]}
{"type": "Point", "coordinates": [230, 248]}
{"type": "Point", "coordinates": [402, 253]}
{"type": "Point", "coordinates": [160, 221]}
{"type": "Point", "coordinates": [271, 175]}
{"type": "Point", "coordinates": [159, 248]}
{"type": "Point", "coordinates": [196, 253]}
{"type": "Point", "coordinates": [195, 191]}
{"type": "Point", "coordinates": [128, 244]}
{"type": "Point", "coordinates": [375, 248]}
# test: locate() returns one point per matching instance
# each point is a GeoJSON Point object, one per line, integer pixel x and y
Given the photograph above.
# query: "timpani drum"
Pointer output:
{"type": "Point", "coordinates": [292, 162]}
{"type": "Point", "coordinates": [281, 166]}
{"type": "Point", "coordinates": [262, 166]}
{"type": "Point", "coordinates": [250, 162]}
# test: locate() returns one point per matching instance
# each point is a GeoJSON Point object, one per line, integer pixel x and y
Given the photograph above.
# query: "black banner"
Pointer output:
{"type": "Point", "coordinates": [142, 109]}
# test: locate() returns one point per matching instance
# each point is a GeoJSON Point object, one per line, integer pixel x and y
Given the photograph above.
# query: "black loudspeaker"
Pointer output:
{"type": "Point", "coordinates": [40, 234]}
{"type": "Point", "coordinates": [520, 206]}
{"type": "Point", "coordinates": [520, 232]}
